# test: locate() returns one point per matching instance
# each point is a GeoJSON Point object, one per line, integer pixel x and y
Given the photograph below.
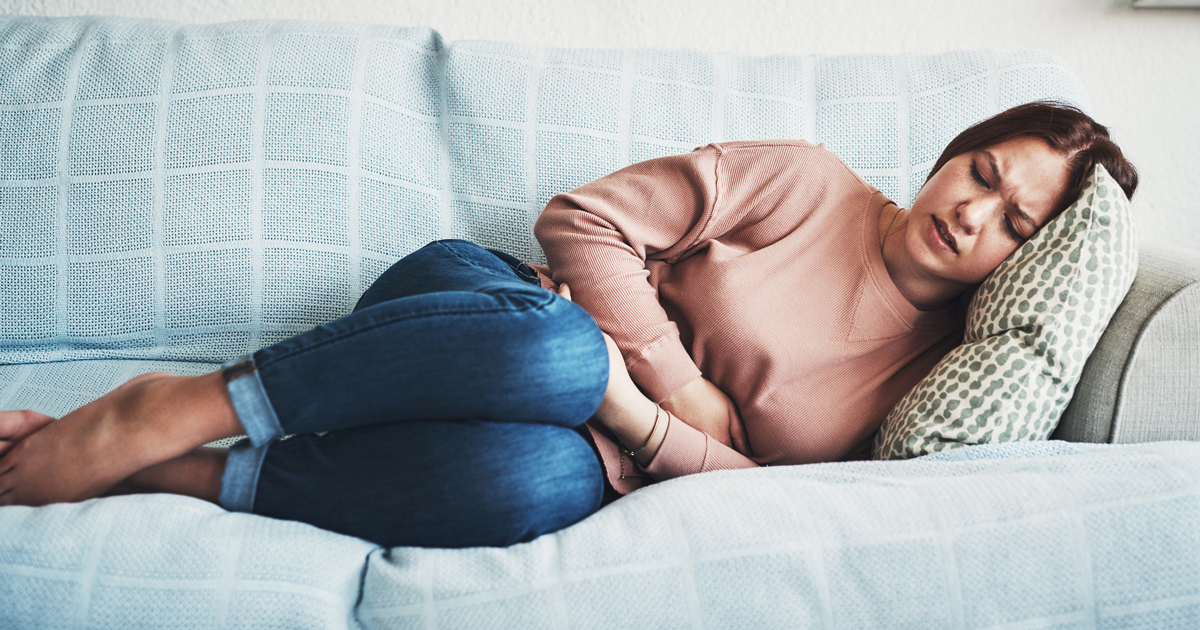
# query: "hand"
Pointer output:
{"type": "Point", "coordinates": [705, 407]}
{"type": "Point", "coordinates": [625, 410]}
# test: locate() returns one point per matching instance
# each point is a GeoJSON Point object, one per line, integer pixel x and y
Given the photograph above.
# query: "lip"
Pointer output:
{"type": "Point", "coordinates": [935, 231]}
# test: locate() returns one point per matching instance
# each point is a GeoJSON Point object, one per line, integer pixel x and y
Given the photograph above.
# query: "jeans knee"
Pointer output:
{"type": "Point", "coordinates": [563, 484]}
{"type": "Point", "coordinates": [569, 350]}
{"type": "Point", "coordinates": [457, 245]}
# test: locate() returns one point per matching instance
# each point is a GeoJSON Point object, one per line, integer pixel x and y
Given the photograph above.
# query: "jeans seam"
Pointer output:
{"type": "Point", "coordinates": [469, 262]}
{"type": "Point", "coordinates": [523, 277]}
{"type": "Point", "coordinates": [538, 307]}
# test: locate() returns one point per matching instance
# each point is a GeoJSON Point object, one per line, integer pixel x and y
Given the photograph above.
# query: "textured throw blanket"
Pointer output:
{"type": "Point", "coordinates": [1024, 535]}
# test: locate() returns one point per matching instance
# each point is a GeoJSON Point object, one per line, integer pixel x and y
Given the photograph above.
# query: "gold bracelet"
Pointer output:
{"type": "Point", "coordinates": [626, 451]}
{"type": "Point", "coordinates": [657, 413]}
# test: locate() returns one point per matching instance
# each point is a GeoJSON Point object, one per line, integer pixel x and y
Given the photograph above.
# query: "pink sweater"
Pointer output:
{"type": "Point", "coordinates": [756, 264]}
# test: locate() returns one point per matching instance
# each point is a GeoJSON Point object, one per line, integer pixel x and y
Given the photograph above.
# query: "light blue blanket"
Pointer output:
{"type": "Point", "coordinates": [1041, 535]}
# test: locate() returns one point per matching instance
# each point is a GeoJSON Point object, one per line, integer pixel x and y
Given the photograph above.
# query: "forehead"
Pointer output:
{"type": "Point", "coordinates": [1032, 175]}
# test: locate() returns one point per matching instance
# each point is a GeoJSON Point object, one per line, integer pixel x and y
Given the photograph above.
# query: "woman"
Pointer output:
{"type": "Point", "coordinates": [765, 306]}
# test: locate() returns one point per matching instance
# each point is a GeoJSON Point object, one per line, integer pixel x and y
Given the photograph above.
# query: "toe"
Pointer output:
{"type": "Point", "coordinates": [15, 425]}
{"type": "Point", "coordinates": [6, 490]}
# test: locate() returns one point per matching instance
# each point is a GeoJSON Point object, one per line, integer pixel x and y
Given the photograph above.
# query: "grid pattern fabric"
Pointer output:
{"type": "Point", "coordinates": [174, 192]}
{"type": "Point", "coordinates": [1018, 535]}
{"type": "Point", "coordinates": [179, 192]}
{"type": "Point", "coordinates": [58, 388]}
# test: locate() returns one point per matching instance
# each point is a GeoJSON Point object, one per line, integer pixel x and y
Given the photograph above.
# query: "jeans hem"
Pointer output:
{"type": "Point", "coordinates": [239, 482]}
{"type": "Point", "coordinates": [251, 404]}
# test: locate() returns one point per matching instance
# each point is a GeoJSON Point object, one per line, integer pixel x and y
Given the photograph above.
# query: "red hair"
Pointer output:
{"type": "Point", "coordinates": [1069, 131]}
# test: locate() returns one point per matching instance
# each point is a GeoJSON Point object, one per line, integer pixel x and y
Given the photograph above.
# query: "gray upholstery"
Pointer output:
{"type": "Point", "coordinates": [1142, 383]}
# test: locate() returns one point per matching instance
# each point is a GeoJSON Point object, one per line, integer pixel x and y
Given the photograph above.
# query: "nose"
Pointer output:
{"type": "Point", "coordinates": [973, 214]}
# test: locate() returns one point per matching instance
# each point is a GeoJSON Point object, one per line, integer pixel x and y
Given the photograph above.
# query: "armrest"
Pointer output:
{"type": "Point", "coordinates": [1142, 382]}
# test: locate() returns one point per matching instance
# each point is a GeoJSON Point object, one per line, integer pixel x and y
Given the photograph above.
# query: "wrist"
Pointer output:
{"type": "Point", "coordinates": [629, 450]}
{"type": "Point", "coordinates": [658, 434]}
{"type": "Point", "coordinates": [630, 419]}
{"type": "Point", "coordinates": [633, 424]}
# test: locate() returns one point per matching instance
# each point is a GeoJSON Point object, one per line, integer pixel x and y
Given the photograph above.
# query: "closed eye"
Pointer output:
{"type": "Point", "coordinates": [1012, 230]}
{"type": "Point", "coordinates": [978, 176]}
{"type": "Point", "coordinates": [1009, 227]}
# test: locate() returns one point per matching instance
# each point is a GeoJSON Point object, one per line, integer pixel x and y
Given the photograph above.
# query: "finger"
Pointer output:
{"type": "Point", "coordinates": [5, 445]}
{"type": "Point", "coordinates": [722, 437]}
{"type": "Point", "coordinates": [565, 291]}
{"type": "Point", "coordinates": [737, 432]}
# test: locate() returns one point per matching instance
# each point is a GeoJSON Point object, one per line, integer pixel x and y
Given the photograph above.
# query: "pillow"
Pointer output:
{"type": "Point", "coordinates": [1030, 328]}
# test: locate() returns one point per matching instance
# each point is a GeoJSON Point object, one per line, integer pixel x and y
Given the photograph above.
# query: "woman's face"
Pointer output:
{"type": "Point", "coordinates": [981, 206]}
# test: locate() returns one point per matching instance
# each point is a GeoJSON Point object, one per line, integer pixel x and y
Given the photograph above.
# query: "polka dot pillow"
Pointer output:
{"type": "Point", "coordinates": [1030, 328]}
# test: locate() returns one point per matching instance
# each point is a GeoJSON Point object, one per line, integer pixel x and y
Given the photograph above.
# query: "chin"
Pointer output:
{"type": "Point", "coordinates": [925, 257]}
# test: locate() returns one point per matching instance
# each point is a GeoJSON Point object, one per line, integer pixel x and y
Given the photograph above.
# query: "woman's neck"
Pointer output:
{"type": "Point", "coordinates": [924, 292]}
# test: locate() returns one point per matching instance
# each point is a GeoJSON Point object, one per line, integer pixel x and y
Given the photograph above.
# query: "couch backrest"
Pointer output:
{"type": "Point", "coordinates": [196, 192]}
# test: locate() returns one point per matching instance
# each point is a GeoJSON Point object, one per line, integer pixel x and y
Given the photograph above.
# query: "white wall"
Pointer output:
{"type": "Point", "coordinates": [1142, 68]}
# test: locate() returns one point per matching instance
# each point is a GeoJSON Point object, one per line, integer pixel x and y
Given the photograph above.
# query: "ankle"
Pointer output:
{"type": "Point", "coordinates": [204, 402]}
{"type": "Point", "coordinates": [196, 474]}
{"type": "Point", "coordinates": [212, 398]}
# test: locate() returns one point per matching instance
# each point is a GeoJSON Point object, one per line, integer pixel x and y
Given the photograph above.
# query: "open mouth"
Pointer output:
{"type": "Point", "coordinates": [944, 234]}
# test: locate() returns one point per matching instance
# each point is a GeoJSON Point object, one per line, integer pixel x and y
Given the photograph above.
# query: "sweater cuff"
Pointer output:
{"type": "Point", "coordinates": [663, 369]}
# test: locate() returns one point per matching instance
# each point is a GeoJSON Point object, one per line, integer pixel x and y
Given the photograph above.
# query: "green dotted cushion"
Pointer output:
{"type": "Point", "coordinates": [1030, 328]}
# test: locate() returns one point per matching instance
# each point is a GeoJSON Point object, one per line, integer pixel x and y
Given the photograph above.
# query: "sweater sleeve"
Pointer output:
{"type": "Point", "coordinates": [599, 238]}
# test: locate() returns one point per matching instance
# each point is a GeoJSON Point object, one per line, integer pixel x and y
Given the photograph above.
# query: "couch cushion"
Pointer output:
{"type": "Point", "coordinates": [1031, 326]}
{"type": "Point", "coordinates": [197, 192]}
{"type": "Point", "coordinates": [1140, 383]}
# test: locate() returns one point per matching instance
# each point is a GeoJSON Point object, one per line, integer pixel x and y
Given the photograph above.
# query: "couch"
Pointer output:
{"type": "Point", "coordinates": [172, 196]}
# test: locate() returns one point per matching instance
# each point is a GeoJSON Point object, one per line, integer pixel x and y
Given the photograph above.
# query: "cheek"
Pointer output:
{"type": "Point", "coordinates": [993, 255]}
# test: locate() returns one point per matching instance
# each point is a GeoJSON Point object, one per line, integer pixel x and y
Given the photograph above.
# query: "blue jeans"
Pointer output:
{"type": "Point", "coordinates": [442, 412]}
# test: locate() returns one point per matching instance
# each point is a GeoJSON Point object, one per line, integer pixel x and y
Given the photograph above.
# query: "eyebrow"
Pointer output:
{"type": "Point", "coordinates": [996, 173]}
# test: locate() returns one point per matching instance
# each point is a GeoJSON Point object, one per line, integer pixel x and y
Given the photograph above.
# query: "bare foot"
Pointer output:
{"type": "Point", "coordinates": [151, 419]}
